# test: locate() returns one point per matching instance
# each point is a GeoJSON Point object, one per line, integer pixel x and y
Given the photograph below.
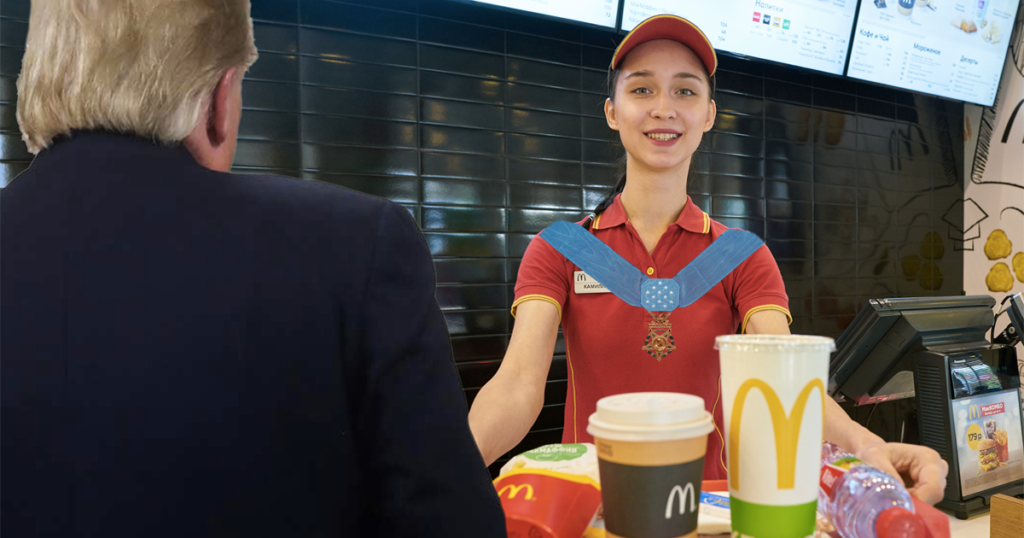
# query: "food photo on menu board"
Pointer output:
{"type": "Point", "coordinates": [989, 440]}
{"type": "Point", "coordinates": [950, 48]}
{"type": "Point", "coordinates": [810, 34]}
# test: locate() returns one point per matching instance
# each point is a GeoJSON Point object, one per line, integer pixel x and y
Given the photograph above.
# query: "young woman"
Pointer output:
{"type": "Point", "coordinates": [661, 101]}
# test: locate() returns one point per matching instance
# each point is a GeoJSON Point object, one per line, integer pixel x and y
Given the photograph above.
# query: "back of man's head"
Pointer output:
{"type": "Point", "coordinates": [142, 67]}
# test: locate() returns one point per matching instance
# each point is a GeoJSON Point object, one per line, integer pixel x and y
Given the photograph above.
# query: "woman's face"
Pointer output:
{"type": "Point", "coordinates": [662, 105]}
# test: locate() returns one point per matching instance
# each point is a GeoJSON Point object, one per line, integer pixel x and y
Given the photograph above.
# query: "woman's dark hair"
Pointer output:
{"type": "Point", "coordinates": [620, 165]}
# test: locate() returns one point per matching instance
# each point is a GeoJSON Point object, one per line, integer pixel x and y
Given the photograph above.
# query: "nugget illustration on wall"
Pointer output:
{"type": "Point", "coordinates": [999, 278]}
{"type": "Point", "coordinates": [1018, 265]}
{"type": "Point", "coordinates": [932, 247]}
{"type": "Point", "coordinates": [998, 246]}
{"type": "Point", "coordinates": [911, 266]}
{"type": "Point", "coordinates": [931, 277]}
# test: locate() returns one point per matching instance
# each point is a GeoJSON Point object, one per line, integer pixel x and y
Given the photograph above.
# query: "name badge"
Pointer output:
{"type": "Point", "coordinates": [586, 284]}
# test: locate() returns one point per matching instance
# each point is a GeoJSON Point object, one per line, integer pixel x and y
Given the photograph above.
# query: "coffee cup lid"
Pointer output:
{"type": "Point", "coordinates": [650, 416]}
{"type": "Point", "coordinates": [763, 343]}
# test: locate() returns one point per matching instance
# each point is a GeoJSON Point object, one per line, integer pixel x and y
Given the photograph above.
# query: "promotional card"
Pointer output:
{"type": "Point", "coordinates": [989, 440]}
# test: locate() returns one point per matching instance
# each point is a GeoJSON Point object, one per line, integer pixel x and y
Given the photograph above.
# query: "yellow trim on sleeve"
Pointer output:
{"type": "Point", "coordinates": [762, 308]}
{"type": "Point", "coordinates": [537, 297]}
{"type": "Point", "coordinates": [707, 223]}
{"type": "Point", "coordinates": [572, 381]}
{"type": "Point", "coordinates": [597, 220]}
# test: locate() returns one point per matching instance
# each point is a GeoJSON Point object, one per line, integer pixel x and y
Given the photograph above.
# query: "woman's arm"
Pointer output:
{"type": "Point", "coordinates": [920, 468]}
{"type": "Point", "coordinates": [510, 402]}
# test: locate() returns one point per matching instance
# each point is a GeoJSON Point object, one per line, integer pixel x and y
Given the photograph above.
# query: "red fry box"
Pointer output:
{"type": "Point", "coordinates": [548, 504]}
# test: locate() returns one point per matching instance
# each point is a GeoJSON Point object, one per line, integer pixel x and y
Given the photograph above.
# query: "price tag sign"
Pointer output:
{"type": "Point", "coordinates": [974, 435]}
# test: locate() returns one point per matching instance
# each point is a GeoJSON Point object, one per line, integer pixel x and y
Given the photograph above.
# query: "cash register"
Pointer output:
{"type": "Point", "coordinates": [937, 357]}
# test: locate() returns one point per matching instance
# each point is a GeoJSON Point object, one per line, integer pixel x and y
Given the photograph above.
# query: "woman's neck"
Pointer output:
{"type": "Point", "coordinates": [653, 201]}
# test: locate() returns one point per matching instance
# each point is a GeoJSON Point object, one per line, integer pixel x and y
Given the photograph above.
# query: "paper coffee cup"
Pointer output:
{"type": "Point", "coordinates": [650, 450]}
{"type": "Point", "coordinates": [773, 396]}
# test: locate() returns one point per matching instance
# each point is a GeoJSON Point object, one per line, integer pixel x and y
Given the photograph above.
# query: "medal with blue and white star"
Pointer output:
{"type": "Point", "coordinates": [658, 296]}
{"type": "Point", "coordinates": [659, 342]}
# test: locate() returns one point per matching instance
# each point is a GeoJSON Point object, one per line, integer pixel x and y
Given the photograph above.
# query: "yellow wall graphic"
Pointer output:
{"type": "Point", "coordinates": [999, 278]}
{"type": "Point", "coordinates": [998, 246]}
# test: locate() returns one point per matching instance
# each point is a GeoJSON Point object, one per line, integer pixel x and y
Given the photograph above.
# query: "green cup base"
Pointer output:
{"type": "Point", "coordinates": [769, 521]}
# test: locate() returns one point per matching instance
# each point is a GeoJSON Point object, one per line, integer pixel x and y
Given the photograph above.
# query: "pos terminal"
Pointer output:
{"type": "Point", "coordinates": [968, 403]}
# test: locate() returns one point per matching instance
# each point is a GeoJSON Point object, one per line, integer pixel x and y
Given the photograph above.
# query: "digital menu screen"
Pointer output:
{"type": "Point", "coordinates": [949, 48]}
{"type": "Point", "coordinates": [597, 12]}
{"type": "Point", "coordinates": [806, 33]}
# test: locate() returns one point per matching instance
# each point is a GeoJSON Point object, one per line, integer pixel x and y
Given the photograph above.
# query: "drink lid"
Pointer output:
{"type": "Point", "coordinates": [650, 416]}
{"type": "Point", "coordinates": [775, 342]}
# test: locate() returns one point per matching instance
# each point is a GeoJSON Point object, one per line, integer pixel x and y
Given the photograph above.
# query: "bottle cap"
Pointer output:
{"type": "Point", "coordinates": [897, 522]}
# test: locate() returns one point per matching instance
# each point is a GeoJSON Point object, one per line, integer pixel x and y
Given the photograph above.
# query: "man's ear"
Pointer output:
{"type": "Point", "coordinates": [712, 113]}
{"type": "Point", "coordinates": [609, 114]}
{"type": "Point", "coordinates": [219, 127]}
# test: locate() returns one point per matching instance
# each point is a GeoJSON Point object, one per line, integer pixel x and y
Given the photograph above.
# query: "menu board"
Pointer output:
{"type": "Point", "coordinates": [948, 48]}
{"type": "Point", "coordinates": [599, 12]}
{"type": "Point", "coordinates": [988, 440]}
{"type": "Point", "coordinates": [806, 33]}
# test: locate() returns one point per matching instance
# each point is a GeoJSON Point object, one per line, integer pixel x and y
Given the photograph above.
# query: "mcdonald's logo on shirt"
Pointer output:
{"type": "Point", "coordinates": [513, 490]}
{"type": "Point", "coordinates": [786, 429]}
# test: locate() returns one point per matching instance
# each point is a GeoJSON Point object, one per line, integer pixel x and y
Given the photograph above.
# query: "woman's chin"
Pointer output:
{"type": "Point", "coordinates": [664, 166]}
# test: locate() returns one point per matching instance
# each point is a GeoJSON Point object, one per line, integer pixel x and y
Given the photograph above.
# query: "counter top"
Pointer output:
{"type": "Point", "coordinates": [975, 527]}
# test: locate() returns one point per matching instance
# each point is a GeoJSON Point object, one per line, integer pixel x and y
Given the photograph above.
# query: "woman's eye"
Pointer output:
{"type": "Point", "coordinates": [641, 90]}
{"type": "Point", "coordinates": [686, 91]}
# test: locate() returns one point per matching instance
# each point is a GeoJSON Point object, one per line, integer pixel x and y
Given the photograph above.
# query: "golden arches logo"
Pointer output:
{"type": "Point", "coordinates": [513, 490]}
{"type": "Point", "coordinates": [973, 412]}
{"type": "Point", "coordinates": [787, 429]}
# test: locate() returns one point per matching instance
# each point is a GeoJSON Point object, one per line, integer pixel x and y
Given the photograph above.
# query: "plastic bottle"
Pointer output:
{"type": "Point", "coordinates": [864, 502]}
{"type": "Point", "coordinates": [981, 12]}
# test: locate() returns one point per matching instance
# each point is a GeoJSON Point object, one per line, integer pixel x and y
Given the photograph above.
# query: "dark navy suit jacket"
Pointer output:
{"type": "Point", "coordinates": [191, 353]}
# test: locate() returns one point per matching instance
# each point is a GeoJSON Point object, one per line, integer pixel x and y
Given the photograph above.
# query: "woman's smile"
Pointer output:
{"type": "Point", "coordinates": [663, 137]}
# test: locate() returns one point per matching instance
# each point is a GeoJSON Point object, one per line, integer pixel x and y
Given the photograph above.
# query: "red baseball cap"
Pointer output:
{"type": "Point", "coordinates": [669, 27]}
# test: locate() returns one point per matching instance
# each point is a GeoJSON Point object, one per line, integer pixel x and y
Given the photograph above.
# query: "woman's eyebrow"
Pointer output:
{"type": "Point", "coordinates": [688, 75]}
{"type": "Point", "coordinates": [648, 74]}
{"type": "Point", "coordinates": [639, 74]}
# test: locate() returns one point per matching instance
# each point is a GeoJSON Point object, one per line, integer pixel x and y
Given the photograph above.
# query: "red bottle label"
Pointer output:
{"type": "Point", "coordinates": [832, 472]}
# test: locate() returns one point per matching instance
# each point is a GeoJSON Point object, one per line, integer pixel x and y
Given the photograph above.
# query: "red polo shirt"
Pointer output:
{"type": "Point", "coordinates": [604, 336]}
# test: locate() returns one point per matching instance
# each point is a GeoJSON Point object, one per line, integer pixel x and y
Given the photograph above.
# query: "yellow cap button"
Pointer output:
{"type": "Point", "coordinates": [650, 271]}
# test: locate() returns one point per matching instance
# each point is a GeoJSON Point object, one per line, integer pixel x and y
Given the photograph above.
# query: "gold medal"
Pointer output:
{"type": "Point", "coordinates": [659, 342]}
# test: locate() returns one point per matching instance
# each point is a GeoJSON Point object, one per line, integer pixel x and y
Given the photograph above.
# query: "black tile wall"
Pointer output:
{"type": "Point", "coordinates": [488, 126]}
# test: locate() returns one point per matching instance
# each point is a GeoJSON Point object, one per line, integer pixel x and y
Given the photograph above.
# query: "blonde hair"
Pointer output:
{"type": "Point", "coordinates": [143, 67]}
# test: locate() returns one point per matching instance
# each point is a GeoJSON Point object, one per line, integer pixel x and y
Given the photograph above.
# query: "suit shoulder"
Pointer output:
{"type": "Point", "coordinates": [309, 199]}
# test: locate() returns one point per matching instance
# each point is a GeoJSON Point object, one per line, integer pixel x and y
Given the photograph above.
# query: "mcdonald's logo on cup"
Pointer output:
{"type": "Point", "coordinates": [773, 396]}
{"type": "Point", "coordinates": [678, 492]}
{"type": "Point", "coordinates": [786, 429]}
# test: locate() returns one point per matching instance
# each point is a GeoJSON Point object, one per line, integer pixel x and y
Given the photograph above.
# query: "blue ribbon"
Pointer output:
{"type": "Point", "coordinates": [653, 294]}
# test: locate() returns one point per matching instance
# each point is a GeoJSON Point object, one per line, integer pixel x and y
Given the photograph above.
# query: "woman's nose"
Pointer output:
{"type": "Point", "coordinates": [662, 108]}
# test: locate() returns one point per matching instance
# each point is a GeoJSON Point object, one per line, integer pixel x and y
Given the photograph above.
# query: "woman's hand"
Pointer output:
{"type": "Point", "coordinates": [920, 468]}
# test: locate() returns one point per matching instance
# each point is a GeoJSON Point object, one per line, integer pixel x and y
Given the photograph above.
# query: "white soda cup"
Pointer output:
{"type": "Point", "coordinates": [773, 396]}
